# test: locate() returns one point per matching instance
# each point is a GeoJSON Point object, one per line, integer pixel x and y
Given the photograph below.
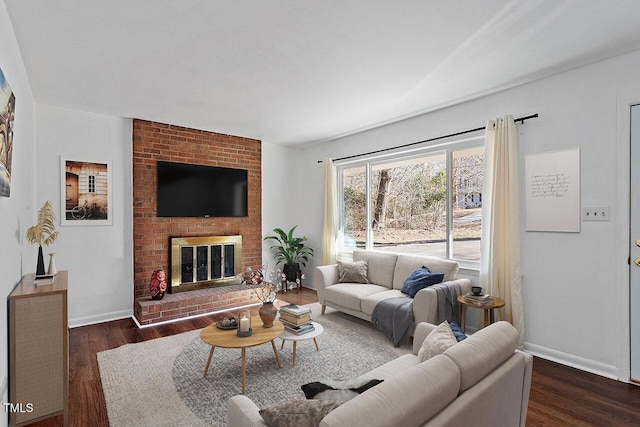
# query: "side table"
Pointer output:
{"type": "Point", "coordinates": [489, 317]}
{"type": "Point", "coordinates": [289, 336]}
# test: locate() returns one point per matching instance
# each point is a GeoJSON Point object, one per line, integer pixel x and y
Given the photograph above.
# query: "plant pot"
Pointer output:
{"type": "Point", "coordinates": [291, 272]}
{"type": "Point", "coordinates": [268, 314]}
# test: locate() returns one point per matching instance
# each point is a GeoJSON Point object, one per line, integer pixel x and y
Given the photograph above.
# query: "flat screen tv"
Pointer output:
{"type": "Point", "coordinates": [186, 190]}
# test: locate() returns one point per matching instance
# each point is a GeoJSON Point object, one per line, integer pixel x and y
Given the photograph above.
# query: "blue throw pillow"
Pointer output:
{"type": "Point", "coordinates": [457, 332]}
{"type": "Point", "coordinates": [419, 279]}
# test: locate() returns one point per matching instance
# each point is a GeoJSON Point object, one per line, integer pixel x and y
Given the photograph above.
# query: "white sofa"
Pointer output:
{"type": "Point", "coordinates": [387, 273]}
{"type": "Point", "coordinates": [482, 381]}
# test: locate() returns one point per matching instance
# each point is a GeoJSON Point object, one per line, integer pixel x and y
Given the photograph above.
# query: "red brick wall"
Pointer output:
{"type": "Point", "coordinates": [151, 235]}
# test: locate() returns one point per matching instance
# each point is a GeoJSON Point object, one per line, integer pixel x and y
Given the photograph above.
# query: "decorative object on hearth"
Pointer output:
{"type": "Point", "coordinates": [244, 323]}
{"type": "Point", "coordinates": [158, 284]}
{"type": "Point", "coordinates": [264, 283]}
{"type": "Point", "coordinates": [43, 233]}
{"type": "Point", "coordinates": [290, 251]}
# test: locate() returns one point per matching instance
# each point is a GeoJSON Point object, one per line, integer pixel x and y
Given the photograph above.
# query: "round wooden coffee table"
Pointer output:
{"type": "Point", "coordinates": [489, 317]}
{"type": "Point", "coordinates": [217, 337]}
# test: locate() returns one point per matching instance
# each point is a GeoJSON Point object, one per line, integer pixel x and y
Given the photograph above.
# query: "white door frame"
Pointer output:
{"type": "Point", "coordinates": [634, 242]}
{"type": "Point", "coordinates": [623, 226]}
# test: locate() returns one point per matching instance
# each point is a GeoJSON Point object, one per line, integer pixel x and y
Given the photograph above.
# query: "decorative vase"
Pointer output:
{"type": "Point", "coordinates": [40, 265]}
{"type": "Point", "coordinates": [52, 264]}
{"type": "Point", "coordinates": [268, 314]}
{"type": "Point", "coordinates": [158, 284]}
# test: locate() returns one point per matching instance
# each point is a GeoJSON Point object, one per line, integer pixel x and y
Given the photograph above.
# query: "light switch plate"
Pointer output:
{"type": "Point", "coordinates": [595, 213]}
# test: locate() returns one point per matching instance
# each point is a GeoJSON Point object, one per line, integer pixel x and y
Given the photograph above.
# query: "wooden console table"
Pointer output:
{"type": "Point", "coordinates": [38, 350]}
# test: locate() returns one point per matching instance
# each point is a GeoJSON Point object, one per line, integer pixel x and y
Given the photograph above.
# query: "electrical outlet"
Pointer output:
{"type": "Point", "coordinates": [595, 213]}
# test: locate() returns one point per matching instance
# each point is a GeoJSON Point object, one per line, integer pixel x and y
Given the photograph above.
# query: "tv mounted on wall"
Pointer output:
{"type": "Point", "coordinates": [186, 190]}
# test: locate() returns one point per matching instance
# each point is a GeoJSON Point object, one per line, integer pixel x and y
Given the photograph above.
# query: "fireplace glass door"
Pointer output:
{"type": "Point", "coordinates": [199, 262]}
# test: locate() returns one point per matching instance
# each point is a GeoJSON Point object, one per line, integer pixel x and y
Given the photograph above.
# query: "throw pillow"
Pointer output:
{"type": "Point", "coordinates": [297, 413]}
{"type": "Point", "coordinates": [437, 342]}
{"type": "Point", "coordinates": [337, 390]}
{"type": "Point", "coordinates": [457, 332]}
{"type": "Point", "coordinates": [353, 272]}
{"type": "Point", "coordinates": [420, 279]}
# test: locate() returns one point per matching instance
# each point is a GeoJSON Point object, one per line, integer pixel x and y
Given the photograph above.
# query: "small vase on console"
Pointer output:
{"type": "Point", "coordinates": [53, 270]}
{"type": "Point", "coordinates": [267, 314]}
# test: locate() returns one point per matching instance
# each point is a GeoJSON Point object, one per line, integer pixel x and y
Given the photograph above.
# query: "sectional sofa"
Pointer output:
{"type": "Point", "coordinates": [482, 381]}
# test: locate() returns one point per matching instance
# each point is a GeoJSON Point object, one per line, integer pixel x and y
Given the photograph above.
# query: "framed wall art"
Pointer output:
{"type": "Point", "coordinates": [7, 115]}
{"type": "Point", "coordinates": [86, 197]}
{"type": "Point", "coordinates": [552, 191]}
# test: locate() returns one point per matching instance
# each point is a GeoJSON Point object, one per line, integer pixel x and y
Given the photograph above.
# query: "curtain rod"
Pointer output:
{"type": "Point", "coordinates": [519, 119]}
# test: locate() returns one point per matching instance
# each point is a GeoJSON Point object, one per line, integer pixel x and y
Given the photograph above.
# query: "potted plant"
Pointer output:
{"type": "Point", "coordinates": [43, 233]}
{"type": "Point", "coordinates": [291, 252]}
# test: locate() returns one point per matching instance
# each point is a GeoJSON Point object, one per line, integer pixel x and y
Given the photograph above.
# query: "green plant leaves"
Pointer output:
{"type": "Point", "coordinates": [290, 249]}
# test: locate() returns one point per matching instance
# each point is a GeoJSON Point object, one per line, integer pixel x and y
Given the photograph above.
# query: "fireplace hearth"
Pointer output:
{"type": "Point", "coordinates": [205, 262]}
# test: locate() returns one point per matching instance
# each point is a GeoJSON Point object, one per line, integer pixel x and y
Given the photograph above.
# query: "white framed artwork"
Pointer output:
{"type": "Point", "coordinates": [552, 191]}
{"type": "Point", "coordinates": [86, 197]}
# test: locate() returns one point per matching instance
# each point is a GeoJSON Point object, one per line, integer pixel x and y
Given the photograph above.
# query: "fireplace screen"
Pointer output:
{"type": "Point", "coordinates": [200, 262]}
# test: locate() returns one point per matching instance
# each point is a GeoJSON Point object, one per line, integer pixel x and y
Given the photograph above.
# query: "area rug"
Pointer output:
{"type": "Point", "coordinates": [160, 383]}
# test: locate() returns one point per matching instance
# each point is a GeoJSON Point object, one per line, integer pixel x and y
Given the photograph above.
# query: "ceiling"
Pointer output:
{"type": "Point", "coordinates": [296, 71]}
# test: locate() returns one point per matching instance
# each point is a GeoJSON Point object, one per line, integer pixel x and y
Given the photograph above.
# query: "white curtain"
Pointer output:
{"type": "Point", "coordinates": [329, 227]}
{"type": "Point", "coordinates": [500, 253]}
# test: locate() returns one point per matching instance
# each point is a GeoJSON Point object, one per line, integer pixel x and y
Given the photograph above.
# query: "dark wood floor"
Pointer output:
{"type": "Point", "coordinates": [560, 396]}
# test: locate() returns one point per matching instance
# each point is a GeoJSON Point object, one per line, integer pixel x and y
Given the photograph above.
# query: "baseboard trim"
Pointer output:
{"type": "Point", "coordinates": [573, 361]}
{"type": "Point", "coordinates": [164, 322]}
{"type": "Point", "coordinates": [100, 318]}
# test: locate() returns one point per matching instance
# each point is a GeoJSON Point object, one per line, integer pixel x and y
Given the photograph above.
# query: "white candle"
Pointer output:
{"type": "Point", "coordinates": [244, 324]}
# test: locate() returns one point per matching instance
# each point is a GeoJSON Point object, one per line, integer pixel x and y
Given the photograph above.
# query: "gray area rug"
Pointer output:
{"type": "Point", "coordinates": [160, 383]}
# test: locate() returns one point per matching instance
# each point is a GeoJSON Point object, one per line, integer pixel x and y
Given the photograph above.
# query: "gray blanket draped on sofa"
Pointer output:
{"type": "Point", "coordinates": [394, 318]}
{"type": "Point", "coordinates": [448, 307]}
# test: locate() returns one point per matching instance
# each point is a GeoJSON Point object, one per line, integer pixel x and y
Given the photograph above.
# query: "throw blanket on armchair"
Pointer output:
{"type": "Point", "coordinates": [394, 318]}
{"type": "Point", "coordinates": [448, 307]}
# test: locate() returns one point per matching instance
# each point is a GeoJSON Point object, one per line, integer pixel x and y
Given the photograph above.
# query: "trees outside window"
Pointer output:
{"type": "Point", "coordinates": [428, 204]}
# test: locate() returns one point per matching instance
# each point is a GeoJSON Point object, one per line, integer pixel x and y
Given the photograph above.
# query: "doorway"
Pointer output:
{"type": "Point", "coordinates": [634, 245]}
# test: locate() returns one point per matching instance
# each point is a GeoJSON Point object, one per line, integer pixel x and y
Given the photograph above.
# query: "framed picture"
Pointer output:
{"type": "Point", "coordinates": [86, 197]}
{"type": "Point", "coordinates": [7, 113]}
{"type": "Point", "coordinates": [552, 184]}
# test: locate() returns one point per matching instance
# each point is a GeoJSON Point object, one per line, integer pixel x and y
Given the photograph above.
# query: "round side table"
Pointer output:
{"type": "Point", "coordinates": [289, 336]}
{"type": "Point", "coordinates": [489, 317]}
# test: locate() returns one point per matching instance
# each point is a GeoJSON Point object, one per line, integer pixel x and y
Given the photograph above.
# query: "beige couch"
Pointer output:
{"type": "Point", "coordinates": [387, 273]}
{"type": "Point", "coordinates": [482, 381]}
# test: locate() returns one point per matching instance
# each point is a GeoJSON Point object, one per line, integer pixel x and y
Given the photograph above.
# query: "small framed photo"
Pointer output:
{"type": "Point", "coordinates": [86, 197]}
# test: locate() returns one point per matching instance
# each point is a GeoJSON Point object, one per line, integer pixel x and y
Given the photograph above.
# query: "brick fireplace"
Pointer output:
{"type": "Point", "coordinates": [152, 234]}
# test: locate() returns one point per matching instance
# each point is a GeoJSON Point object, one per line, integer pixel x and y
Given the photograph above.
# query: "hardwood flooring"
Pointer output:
{"type": "Point", "coordinates": [560, 395]}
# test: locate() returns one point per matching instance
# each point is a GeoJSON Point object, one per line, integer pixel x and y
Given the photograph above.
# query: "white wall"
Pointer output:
{"type": "Point", "coordinates": [99, 257]}
{"type": "Point", "coordinates": [574, 286]}
{"type": "Point", "coordinates": [17, 211]}
{"type": "Point", "coordinates": [280, 194]}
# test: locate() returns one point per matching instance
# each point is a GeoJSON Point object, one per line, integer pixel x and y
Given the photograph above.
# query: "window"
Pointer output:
{"type": "Point", "coordinates": [92, 184]}
{"type": "Point", "coordinates": [427, 203]}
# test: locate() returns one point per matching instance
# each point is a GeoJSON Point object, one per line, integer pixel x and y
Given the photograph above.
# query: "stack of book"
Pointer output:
{"type": "Point", "coordinates": [482, 299]}
{"type": "Point", "coordinates": [296, 319]}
